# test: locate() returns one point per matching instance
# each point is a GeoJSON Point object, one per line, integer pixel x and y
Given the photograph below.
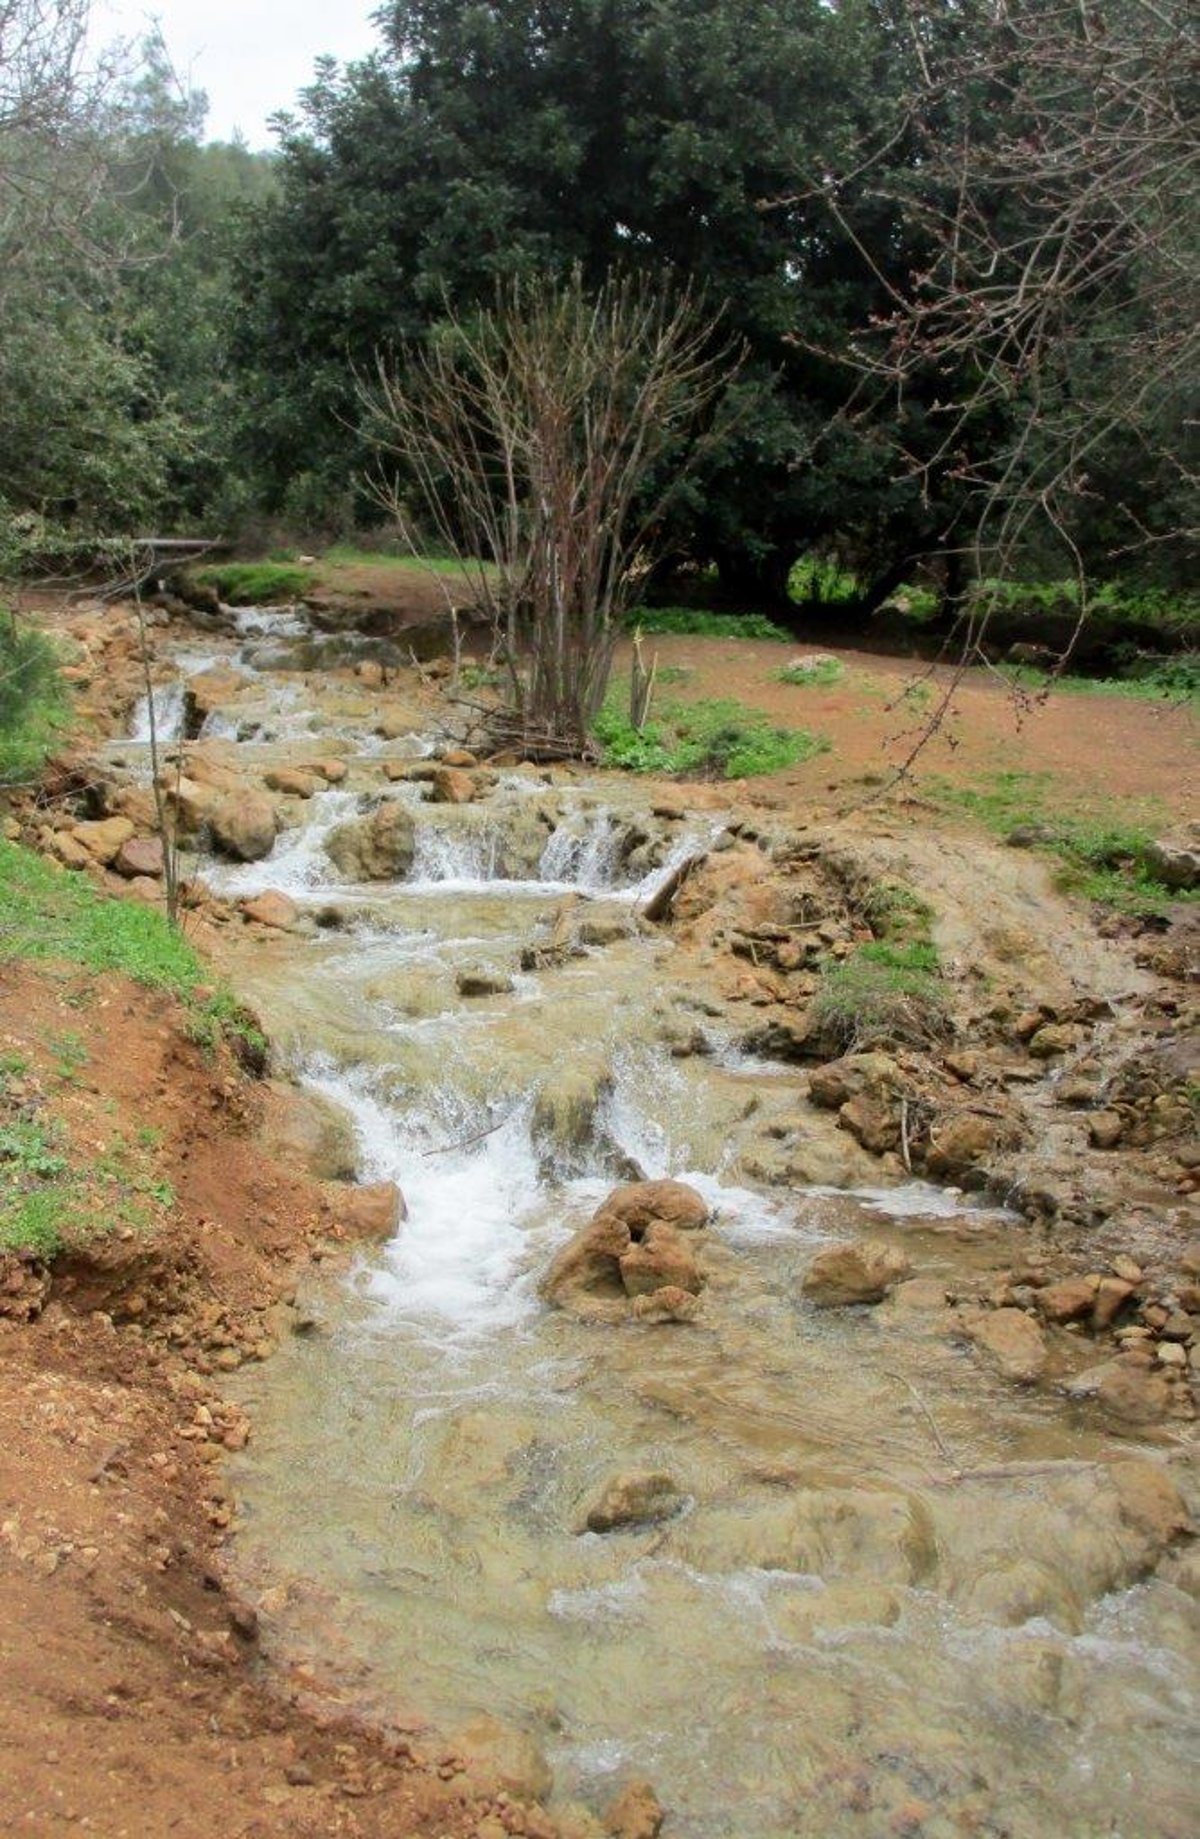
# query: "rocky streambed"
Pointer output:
{"type": "Point", "coordinates": [797, 1423]}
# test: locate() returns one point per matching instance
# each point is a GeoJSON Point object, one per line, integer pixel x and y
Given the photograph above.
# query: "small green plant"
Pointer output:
{"type": "Point", "coordinates": [33, 700]}
{"type": "Point", "coordinates": [882, 995]}
{"type": "Point", "coordinates": [817, 672]}
{"type": "Point", "coordinates": [701, 622]}
{"type": "Point", "coordinates": [27, 1150]}
{"type": "Point", "coordinates": [718, 739]}
{"type": "Point", "coordinates": [824, 582]}
{"type": "Point", "coordinates": [34, 1222]}
{"type": "Point", "coordinates": [257, 584]}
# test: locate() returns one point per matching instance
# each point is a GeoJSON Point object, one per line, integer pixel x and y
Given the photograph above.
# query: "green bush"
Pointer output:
{"type": "Point", "coordinates": [257, 584]}
{"type": "Point", "coordinates": [818, 672]}
{"type": "Point", "coordinates": [882, 994]}
{"type": "Point", "coordinates": [699, 622]}
{"type": "Point", "coordinates": [716, 739]}
{"type": "Point", "coordinates": [32, 700]}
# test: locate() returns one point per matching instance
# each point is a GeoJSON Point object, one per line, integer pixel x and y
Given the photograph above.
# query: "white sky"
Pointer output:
{"type": "Point", "coordinates": [251, 56]}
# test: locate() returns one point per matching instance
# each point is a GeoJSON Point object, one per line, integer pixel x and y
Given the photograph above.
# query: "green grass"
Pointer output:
{"type": "Point", "coordinates": [346, 555]}
{"type": "Point", "coordinates": [1163, 680]}
{"type": "Point", "coordinates": [700, 622]}
{"type": "Point", "coordinates": [1101, 859]}
{"type": "Point", "coordinates": [882, 994]}
{"type": "Point", "coordinates": [719, 739]}
{"type": "Point", "coordinates": [257, 584]}
{"type": "Point", "coordinates": [34, 1222]}
{"type": "Point", "coordinates": [818, 672]}
{"type": "Point", "coordinates": [33, 701]}
{"type": "Point", "coordinates": [49, 915]}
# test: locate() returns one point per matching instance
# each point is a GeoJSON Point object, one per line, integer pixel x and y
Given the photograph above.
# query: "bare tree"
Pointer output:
{"type": "Point", "coordinates": [542, 438]}
{"type": "Point", "coordinates": [1047, 156]}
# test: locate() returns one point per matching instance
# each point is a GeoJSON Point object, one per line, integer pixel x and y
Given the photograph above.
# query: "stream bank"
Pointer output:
{"type": "Point", "coordinates": [906, 1530]}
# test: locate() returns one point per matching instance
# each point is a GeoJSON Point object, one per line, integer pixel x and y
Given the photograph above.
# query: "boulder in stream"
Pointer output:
{"type": "Point", "coordinates": [271, 908]}
{"type": "Point", "coordinates": [641, 1204]}
{"type": "Point", "coordinates": [635, 1246]}
{"type": "Point", "coordinates": [862, 1273]}
{"type": "Point", "coordinates": [637, 1813]}
{"type": "Point", "coordinates": [634, 1497]}
{"type": "Point", "coordinates": [375, 848]}
{"type": "Point", "coordinates": [370, 1210]}
{"type": "Point", "coordinates": [244, 825]}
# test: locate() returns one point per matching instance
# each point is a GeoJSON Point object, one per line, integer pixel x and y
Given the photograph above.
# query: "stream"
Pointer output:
{"type": "Point", "coordinates": [895, 1593]}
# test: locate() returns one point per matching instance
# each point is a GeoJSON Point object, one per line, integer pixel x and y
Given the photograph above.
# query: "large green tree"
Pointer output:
{"type": "Point", "coordinates": [489, 140]}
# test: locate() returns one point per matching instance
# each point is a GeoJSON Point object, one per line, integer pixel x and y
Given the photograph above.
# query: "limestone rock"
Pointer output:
{"type": "Point", "coordinates": [69, 852]}
{"type": "Point", "coordinates": [104, 838]}
{"type": "Point", "coordinates": [1149, 1500]}
{"type": "Point", "coordinates": [209, 690]}
{"type": "Point", "coordinates": [637, 1813]}
{"type": "Point", "coordinates": [505, 1757]}
{"type": "Point", "coordinates": [483, 980]}
{"type": "Point", "coordinates": [1126, 1390]}
{"type": "Point", "coordinates": [371, 1210]}
{"type": "Point", "coordinates": [292, 780]}
{"type": "Point", "coordinates": [874, 1124]}
{"type": "Point", "coordinates": [1068, 1300]}
{"type": "Point", "coordinates": [669, 1304]}
{"type": "Point", "coordinates": [332, 771]}
{"type": "Point", "coordinates": [640, 1203]}
{"type": "Point", "coordinates": [271, 908]}
{"type": "Point", "coordinates": [141, 855]}
{"type": "Point", "coordinates": [450, 785]}
{"type": "Point", "coordinates": [1105, 1129]}
{"type": "Point", "coordinates": [1175, 860]}
{"type": "Point", "coordinates": [375, 848]}
{"type": "Point", "coordinates": [635, 1497]}
{"type": "Point", "coordinates": [302, 1127]}
{"type": "Point", "coordinates": [662, 1260]}
{"type": "Point", "coordinates": [1017, 1592]}
{"type": "Point", "coordinates": [244, 825]}
{"type": "Point", "coordinates": [960, 1144]}
{"type": "Point", "coordinates": [585, 1276]}
{"type": "Point", "coordinates": [835, 1084]}
{"type": "Point", "coordinates": [566, 1111]}
{"type": "Point", "coordinates": [1011, 1341]}
{"type": "Point", "coordinates": [862, 1273]}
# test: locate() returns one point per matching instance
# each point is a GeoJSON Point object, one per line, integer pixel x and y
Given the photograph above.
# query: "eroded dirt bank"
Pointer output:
{"type": "Point", "coordinates": [1055, 1071]}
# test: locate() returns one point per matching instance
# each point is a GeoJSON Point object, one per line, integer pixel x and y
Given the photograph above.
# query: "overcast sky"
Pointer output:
{"type": "Point", "coordinates": [251, 56]}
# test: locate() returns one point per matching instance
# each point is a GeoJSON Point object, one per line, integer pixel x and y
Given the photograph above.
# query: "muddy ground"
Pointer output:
{"type": "Point", "coordinates": [133, 1699]}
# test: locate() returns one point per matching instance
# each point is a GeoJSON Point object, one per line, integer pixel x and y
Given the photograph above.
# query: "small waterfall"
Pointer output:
{"type": "Point", "coordinates": [167, 703]}
{"type": "Point", "coordinates": [587, 858]}
{"type": "Point", "coordinates": [298, 865]}
{"type": "Point", "coordinates": [269, 622]}
{"type": "Point", "coordinates": [457, 1258]}
{"type": "Point", "coordinates": [459, 856]}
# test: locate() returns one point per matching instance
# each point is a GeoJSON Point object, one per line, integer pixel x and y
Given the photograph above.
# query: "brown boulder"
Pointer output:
{"type": "Point", "coordinates": [375, 848]}
{"type": "Point", "coordinates": [332, 771]}
{"type": "Point", "coordinates": [835, 1084]}
{"type": "Point", "coordinates": [1012, 1342]}
{"type": "Point", "coordinates": [585, 1276]}
{"type": "Point", "coordinates": [634, 1498]}
{"type": "Point", "coordinates": [211, 689]}
{"type": "Point", "coordinates": [663, 1259]}
{"type": "Point", "coordinates": [70, 853]}
{"type": "Point", "coordinates": [667, 1305]}
{"type": "Point", "coordinates": [141, 855]}
{"type": "Point", "coordinates": [450, 785]}
{"type": "Point", "coordinates": [872, 1123]}
{"type": "Point", "coordinates": [637, 1813]}
{"type": "Point", "coordinates": [244, 825]}
{"type": "Point", "coordinates": [372, 1210]}
{"type": "Point", "coordinates": [292, 780]}
{"type": "Point", "coordinates": [864, 1273]}
{"type": "Point", "coordinates": [672, 1203]}
{"type": "Point", "coordinates": [271, 908]}
{"type": "Point", "coordinates": [1069, 1299]}
{"type": "Point", "coordinates": [104, 838]}
{"type": "Point", "coordinates": [960, 1144]}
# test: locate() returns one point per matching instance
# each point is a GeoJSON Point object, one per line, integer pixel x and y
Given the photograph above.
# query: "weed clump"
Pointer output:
{"type": "Point", "coordinates": [701, 622]}
{"type": "Point", "coordinates": [257, 584]}
{"type": "Point", "coordinates": [882, 995]}
{"type": "Point", "coordinates": [32, 700]}
{"type": "Point", "coordinates": [719, 739]}
{"type": "Point", "coordinates": [819, 671]}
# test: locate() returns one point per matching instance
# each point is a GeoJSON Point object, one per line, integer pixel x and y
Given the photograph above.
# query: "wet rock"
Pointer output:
{"type": "Point", "coordinates": [669, 1304]}
{"type": "Point", "coordinates": [449, 785]}
{"type": "Point", "coordinates": [292, 780]}
{"type": "Point", "coordinates": [1105, 1129]}
{"type": "Point", "coordinates": [191, 802]}
{"type": "Point", "coordinates": [836, 1084]}
{"type": "Point", "coordinates": [664, 1259]}
{"type": "Point", "coordinates": [371, 1210]}
{"type": "Point", "coordinates": [863, 1273]}
{"type": "Point", "coordinates": [1124, 1388]}
{"type": "Point", "coordinates": [1054, 1039]}
{"type": "Point", "coordinates": [244, 826]}
{"type": "Point", "coordinates": [302, 1127]}
{"type": "Point", "coordinates": [483, 980]}
{"type": "Point", "coordinates": [273, 909]}
{"type": "Point", "coordinates": [958, 1144]}
{"type": "Point", "coordinates": [565, 1124]}
{"type": "Point", "coordinates": [504, 1757]}
{"type": "Point", "coordinates": [1112, 1293]}
{"type": "Point", "coordinates": [637, 1813]}
{"type": "Point", "coordinates": [1150, 1502]}
{"type": "Point", "coordinates": [636, 1497]}
{"type": "Point", "coordinates": [141, 855]}
{"type": "Point", "coordinates": [210, 690]}
{"type": "Point", "coordinates": [585, 1276]}
{"type": "Point", "coordinates": [375, 848]}
{"type": "Point", "coordinates": [331, 770]}
{"type": "Point", "coordinates": [873, 1124]}
{"type": "Point", "coordinates": [104, 838]}
{"type": "Point", "coordinates": [672, 1203]}
{"type": "Point", "coordinates": [1068, 1300]}
{"type": "Point", "coordinates": [1012, 1342]}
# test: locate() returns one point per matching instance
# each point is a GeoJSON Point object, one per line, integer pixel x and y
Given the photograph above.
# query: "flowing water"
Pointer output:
{"type": "Point", "coordinates": [897, 1595]}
